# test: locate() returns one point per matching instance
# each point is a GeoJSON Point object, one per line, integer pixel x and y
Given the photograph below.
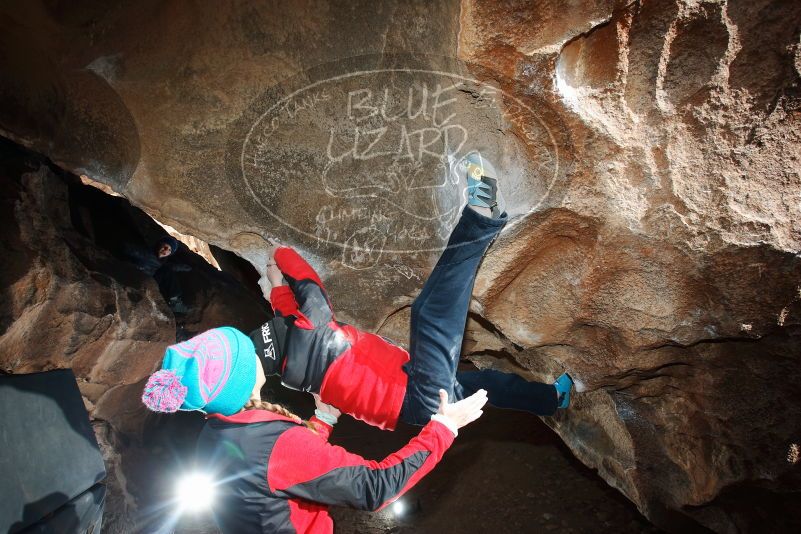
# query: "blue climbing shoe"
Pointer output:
{"type": "Point", "coordinates": [563, 386]}
{"type": "Point", "coordinates": [482, 186]}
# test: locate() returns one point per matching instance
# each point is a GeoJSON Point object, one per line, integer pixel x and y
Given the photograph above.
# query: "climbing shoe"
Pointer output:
{"type": "Point", "coordinates": [563, 386]}
{"type": "Point", "coordinates": [482, 184]}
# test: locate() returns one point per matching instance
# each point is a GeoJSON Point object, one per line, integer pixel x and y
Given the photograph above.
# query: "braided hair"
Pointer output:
{"type": "Point", "coordinates": [277, 408]}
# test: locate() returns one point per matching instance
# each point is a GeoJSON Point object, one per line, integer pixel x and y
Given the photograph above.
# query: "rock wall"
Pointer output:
{"type": "Point", "coordinates": [650, 157]}
{"type": "Point", "coordinates": [667, 280]}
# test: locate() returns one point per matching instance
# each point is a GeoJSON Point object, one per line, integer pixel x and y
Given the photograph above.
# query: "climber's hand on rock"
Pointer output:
{"type": "Point", "coordinates": [274, 275]}
{"type": "Point", "coordinates": [274, 245]}
{"type": "Point", "coordinates": [464, 411]}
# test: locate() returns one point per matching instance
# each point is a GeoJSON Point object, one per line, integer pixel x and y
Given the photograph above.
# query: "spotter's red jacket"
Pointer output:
{"type": "Point", "coordinates": [276, 475]}
{"type": "Point", "coordinates": [359, 373]}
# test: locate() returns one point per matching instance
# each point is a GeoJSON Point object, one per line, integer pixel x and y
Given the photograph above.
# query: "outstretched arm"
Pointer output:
{"type": "Point", "coordinates": [302, 465]}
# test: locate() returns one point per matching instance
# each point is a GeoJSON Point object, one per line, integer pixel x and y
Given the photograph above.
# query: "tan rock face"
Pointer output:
{"type": "Point", "coordinates": [665, 280]}
{"type": "Point", "coordinates": [650, 156]}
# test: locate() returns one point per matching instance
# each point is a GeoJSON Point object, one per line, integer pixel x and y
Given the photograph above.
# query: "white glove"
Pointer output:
{"type": "Point", "coordinates": [460, 413]}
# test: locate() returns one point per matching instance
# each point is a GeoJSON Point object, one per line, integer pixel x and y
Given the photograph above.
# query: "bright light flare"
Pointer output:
{"type": "Point", "coordinates": [398, 507]}
{"type": "Point", "coordinates": [194, 492]}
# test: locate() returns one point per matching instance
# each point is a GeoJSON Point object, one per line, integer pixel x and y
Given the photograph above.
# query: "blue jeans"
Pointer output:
{"type": "Point", "coordinates": [438, 320]}
{"type": "Point", "coordinates": [510, 391]}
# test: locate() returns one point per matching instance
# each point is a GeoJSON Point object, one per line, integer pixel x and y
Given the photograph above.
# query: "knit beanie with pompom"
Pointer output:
{"type": "Point", "coordinates": [213, 372]}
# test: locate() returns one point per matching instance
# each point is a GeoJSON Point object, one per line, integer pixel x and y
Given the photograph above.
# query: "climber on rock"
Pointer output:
{"type": "Point", "coordinates": [274, 472]}
{"type": "Point", "coordinates": [373, 379]}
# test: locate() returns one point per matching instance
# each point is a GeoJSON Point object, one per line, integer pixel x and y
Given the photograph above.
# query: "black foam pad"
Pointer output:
{"type": "Point", "coordinates": [49, 453]}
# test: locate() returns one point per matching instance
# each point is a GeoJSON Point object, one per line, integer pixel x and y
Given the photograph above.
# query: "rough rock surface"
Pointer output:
{"type": "Point", "coordinates": [667, 280]}
{"type": "Point", "coordinates": [650, 156]}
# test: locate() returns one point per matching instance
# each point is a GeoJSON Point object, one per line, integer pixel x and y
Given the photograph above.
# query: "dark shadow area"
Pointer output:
{"type": "Point", "coordinates": [506, 473]}
{"type": "Point", "coordinates": [768, 507]}
{"type": "Point", "coordinates": [239, 268]}
{"type": "Point", "coordinates": [125, 240]}
{"type": "Point", "coordinates": [199, 295]}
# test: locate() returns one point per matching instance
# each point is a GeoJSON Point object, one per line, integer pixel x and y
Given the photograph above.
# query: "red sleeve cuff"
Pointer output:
{"type": "Point", "coordinates": [283, 302]}
{"type": "Point", "coordinates": [323, 429]}
{"type": "Point", "coordinates": [444, 432]}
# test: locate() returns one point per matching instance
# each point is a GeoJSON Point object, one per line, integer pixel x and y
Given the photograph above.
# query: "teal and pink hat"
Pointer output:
{"type": "Point", "coordinates": [213, 372]}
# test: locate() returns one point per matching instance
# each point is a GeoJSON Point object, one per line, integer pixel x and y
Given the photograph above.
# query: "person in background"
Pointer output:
{"type": "Point", "coordinates": [275, 472]}
{"type": "Point", "coordinates": [159, 262]}
{"type": "Point", "coordinates": [373, 379]}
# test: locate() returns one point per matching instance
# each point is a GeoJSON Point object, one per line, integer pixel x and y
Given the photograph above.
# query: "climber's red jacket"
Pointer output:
{"type": "Point", "coordinates": [358, 372]}
{"type": "Point", "coordinates": [276, 475]}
